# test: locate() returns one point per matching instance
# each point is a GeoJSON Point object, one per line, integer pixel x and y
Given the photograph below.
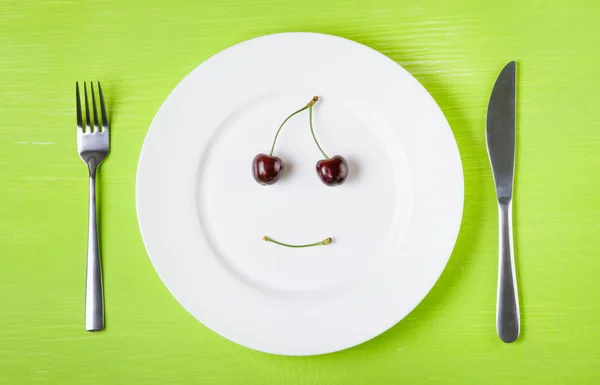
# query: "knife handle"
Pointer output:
{"type": "Point", "coordinates": [507, 306]}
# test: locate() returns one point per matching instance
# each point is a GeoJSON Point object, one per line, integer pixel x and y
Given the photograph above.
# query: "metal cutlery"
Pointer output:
{"type": "Point", "coordinates": [93, 145]}
{"type": "Point", "coordinates": [500, 137]}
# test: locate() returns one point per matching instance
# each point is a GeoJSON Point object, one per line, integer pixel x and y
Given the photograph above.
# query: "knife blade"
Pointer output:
{"type": "Point", "coordinates": [500, 138]}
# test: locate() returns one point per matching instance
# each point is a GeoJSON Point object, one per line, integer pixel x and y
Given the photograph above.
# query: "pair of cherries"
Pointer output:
{"type": "Point", "coordinates": [267, 169]}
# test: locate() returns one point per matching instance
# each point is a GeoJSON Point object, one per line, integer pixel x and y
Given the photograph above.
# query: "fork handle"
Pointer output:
{"type": "Point", "coordinates": [507, 307]}
{"type": "Point", "coordinates": [94, 299]}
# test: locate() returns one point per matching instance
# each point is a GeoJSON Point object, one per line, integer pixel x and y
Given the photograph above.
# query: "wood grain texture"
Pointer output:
{"type": "Point", "coordinates": [141, 50]}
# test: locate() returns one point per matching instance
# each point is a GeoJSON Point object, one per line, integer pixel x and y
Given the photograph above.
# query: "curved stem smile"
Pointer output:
{"type": "Point", "coordinates": [321, 243]}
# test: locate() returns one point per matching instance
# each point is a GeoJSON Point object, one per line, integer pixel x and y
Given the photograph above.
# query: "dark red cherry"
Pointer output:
{"type": "Point", "coordinates": [333, 171]}
{"type": "Point", "coordinates": [267, 169]}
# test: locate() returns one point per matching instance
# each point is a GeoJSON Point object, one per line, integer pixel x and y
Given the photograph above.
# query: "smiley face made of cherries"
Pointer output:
{"type": "Point", "coordinates": [268, 169]}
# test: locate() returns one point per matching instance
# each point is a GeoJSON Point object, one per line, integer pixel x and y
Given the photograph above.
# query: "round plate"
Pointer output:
{"type": "Point", "coordinates": [394, 221]}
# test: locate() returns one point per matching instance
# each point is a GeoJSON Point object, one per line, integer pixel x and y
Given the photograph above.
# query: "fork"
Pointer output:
{"type": "Point", "coordinates": [93, 146]}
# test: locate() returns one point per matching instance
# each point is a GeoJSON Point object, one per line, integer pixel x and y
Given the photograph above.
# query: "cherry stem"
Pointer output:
{"type": "Point", "coordinates": [322, 243]}
{"type": "Point", "coordinates": [309, 105]}
{"type": "Point", "coordinates": [313, 132]}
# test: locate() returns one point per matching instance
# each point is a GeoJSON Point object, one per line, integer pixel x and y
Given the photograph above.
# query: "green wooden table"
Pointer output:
{"type": "Point", "coordinates": [141, 49]}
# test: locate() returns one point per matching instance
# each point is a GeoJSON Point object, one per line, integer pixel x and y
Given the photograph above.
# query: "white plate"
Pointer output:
{"type": "Point", "coordinates": [394, 221]}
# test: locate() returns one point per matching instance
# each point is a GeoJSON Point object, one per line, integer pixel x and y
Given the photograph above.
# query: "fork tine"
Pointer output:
{"type": "Point", "coordinates": [103, 109]}
{"type": "Point", "coordinates": [78, 108]}
{"type": "Point", "coordinates": [88, 126]}
{"type": "Point", "coordinates": [96, 124]}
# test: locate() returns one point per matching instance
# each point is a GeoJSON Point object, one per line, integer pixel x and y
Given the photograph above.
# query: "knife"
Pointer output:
{"type": "Point", "coordinates": [500, 138]}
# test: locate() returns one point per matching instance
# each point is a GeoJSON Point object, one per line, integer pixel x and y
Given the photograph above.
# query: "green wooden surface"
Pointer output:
{"type": "Point", "coordinates": [141, 49]}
